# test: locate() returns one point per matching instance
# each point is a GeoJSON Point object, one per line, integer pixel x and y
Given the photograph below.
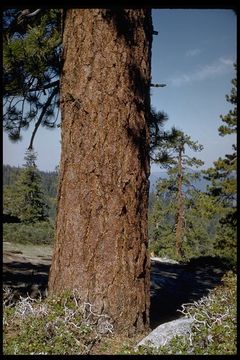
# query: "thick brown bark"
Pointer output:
{"type": "Point", "coordinates": [101, 227]}
{"type": "Point", "coordinates": [180, 210]}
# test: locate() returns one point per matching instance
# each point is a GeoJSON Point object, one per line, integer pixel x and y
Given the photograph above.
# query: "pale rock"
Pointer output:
{"type": "Point", "coordinates": [165, 332]}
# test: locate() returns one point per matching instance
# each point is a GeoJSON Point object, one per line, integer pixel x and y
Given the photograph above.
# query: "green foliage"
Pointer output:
{"type": "Point", "coordinates": [157, 120]}
{"type": "Point", "coordinates": [31, 49]}
{"type": "Point", "coordinates": [223, 179]}
{"type": "Point", "coordinates": [161, 223]}
{"type": "Point", "coordinates": [208, 221]}
{"type": "Point", "coordinates": [31, 68]}
{"type": "Point", "coordinates": [201, 223]}
{"type": "Point", "coordinates": [10, 174]}
{"type": "Point", "coordinates": [230, 120]}
{"type": "Point", "coordinates": [214, 330]}
{"type": "Point", "coordinates": [65, 325]}
{"type": "Point", "coordinates": [25, 199]}
{"type": "Point", "coordinates": [226, 238]}
{"type": "Point", "coordinates": [37, 233]}
{"type": "Point", "coordinates": [224, 184]}
{"type": "Point", "coordinates": [59, 325]}
{"type": "Point", "coordinates": [49, 181]}
{"type": "Point", "coordinates": [168, 223]}
{"type": "Point", "coordinates": [171, 145]}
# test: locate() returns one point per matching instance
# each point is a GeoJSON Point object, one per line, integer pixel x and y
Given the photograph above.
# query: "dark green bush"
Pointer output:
{"type": "Point", "coordinates": [66, 325]}
{"type": "Point", "coordinates": [63, 325]}
{"type": "Point", "coordinates": [214, 330]}
{"type": "Point", "coordinates": [38, 233]}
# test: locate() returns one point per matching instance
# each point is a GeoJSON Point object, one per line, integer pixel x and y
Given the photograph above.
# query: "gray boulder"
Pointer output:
{"type": "Point", "coordinates": [165, 332]}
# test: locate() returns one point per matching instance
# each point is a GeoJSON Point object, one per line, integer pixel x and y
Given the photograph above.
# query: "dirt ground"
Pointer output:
{"type": "Point", "coordinates": [26, 268]}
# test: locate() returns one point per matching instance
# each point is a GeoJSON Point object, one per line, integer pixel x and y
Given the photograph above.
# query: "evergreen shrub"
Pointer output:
{"type": "Point", "coordinates": [39, 233]}
{"type": "Point", "coordinates": [63, 325]}
{"type": "Point", "coordinates": [66, 325]}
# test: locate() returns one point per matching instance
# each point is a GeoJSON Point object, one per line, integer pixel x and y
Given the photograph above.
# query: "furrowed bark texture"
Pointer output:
{"type": "Point", "coordinates": [101, 226]}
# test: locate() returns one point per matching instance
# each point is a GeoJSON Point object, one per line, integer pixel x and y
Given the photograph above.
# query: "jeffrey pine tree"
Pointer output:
{"type": "Point", "coordinates": [101, 239]}
{"type": "Point", "coordinates": [101, 226]}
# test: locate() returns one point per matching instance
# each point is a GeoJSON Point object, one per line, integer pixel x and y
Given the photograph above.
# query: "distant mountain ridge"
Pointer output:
{"type": "Point", "coordinates": [155, 176]}
{"type": "Point", "coordinates": [49, 179]}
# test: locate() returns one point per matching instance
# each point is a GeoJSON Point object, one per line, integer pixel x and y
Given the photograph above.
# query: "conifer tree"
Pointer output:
{"type": "Point", "coordinates": [32, 64]}
{"type": "Point", "coordinates": [31, 68]}
{"type": "Point", "coordinates": [224, 183]}
{"type": "Point", "coordinates": [161, 222]}
{"type": "Point", "coordinates": [105, 73]}
{"type": "Point", "coordinates": [101, 223]}
{"type": "Point", "coordinates": [172, 155]}
{"type": "Point", "coordinates": [201, 217]}
{"type": "Point", "coordinates": [25, 199]}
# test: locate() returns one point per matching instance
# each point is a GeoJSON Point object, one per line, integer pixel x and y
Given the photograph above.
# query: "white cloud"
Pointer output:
{"type": "Point", "coordinates": [226, 61]}
{"type": "Point", "coordinates": [216, 69]}
{"type": "Point", "coordinates": [193, 52]}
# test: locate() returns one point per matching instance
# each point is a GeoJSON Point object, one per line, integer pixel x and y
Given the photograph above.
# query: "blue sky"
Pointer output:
{"type": "Point", "coordinates": [193, 54]}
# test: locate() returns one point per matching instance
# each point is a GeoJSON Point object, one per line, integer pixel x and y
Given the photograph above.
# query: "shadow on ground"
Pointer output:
{"type": "Point", "coordinates": [26, 278]}
{"type": "Point", "coordinates": [175, 284]}
{"type": "Point", "coordinates": [171, 284]}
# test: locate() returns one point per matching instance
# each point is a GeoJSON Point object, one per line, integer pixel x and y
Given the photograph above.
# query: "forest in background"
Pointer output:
{"type": "Point", "coordinates": [184, 222]}
{"type": "Point", "coordinates": [29, 203]}
{"type": "Point", "coordinates": [203, 226]}
{"type": "Point", "coordinates": [191, 212]}
{"type": "Point", "coordinates": [48, 179]}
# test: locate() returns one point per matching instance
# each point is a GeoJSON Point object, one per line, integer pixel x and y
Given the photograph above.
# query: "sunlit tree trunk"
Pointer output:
{"type": "Point", "coordinates": [101, 227]}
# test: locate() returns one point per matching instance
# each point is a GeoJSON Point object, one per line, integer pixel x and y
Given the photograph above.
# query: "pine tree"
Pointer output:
{"type": "Point", "coordinates": [172, 155]}
{"type": "Point", "coordinates": [157, 121]}
{"type": "Point", "coordinates": [32, 64]}
{"type": "Point", "coordinates": [101, 231]}
{"type": "Point", "coordinates": [31, 68]}
{"type": "Point", "coordinates": [101, 225]}
{"type": "Point", "coordinates": [224, 183]}
{"type": "Point", "coordinates": [201, 217]}
{"type": "Point", "coordinates": [161, 221]}
{"type": "Point", "coordinates": [25, 199]}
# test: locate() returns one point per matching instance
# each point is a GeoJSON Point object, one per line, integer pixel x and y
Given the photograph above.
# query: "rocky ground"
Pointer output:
{"type": "Point", "coordinates": [172, 284]}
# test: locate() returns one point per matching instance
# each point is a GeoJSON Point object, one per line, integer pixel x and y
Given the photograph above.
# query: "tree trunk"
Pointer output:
{"type": "Point", "coordinates": [101, 226]}
{"type": "Point", "coordinates": [180, 210]}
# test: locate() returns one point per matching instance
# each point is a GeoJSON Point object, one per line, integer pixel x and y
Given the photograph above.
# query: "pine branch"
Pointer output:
{"type": "Point", "coordinates": [46, 105]}
{"type": "Point", "coordinates": [158, 85]}
{"type": "Point", "coordinates": [48, 86]}
{"type": "Point", "coordinates": [26, 14]}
